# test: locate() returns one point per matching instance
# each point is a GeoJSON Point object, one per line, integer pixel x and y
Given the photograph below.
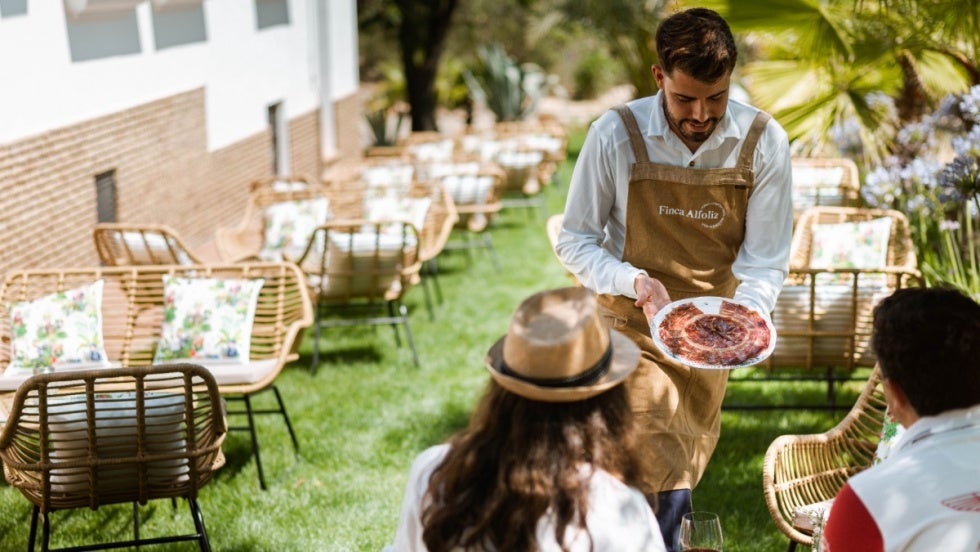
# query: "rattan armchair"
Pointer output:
{"type": "Point", "coordinates": [475, 189]}
{"type": "Point", "coordinates": [805, 471]}
{"type": "Point", "coordinates": [245, 241]}
{"type": "Point", "coordinates": [441, 217]}
{"type": "Point", "coordinates": [87, 439]}
{"type": "Point", "coordinates": [822, 181]}
{"type": "Point", "coordinates": [358, 271]}
{"type": "Point", "coordinates": [823, 314]}
{"type": "Point", "coordinates": [132, 315]}
{"type": "Point", "coordinates": [127, 244]}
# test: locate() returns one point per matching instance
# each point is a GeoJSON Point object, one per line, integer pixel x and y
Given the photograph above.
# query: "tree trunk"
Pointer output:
{"type": "Point", "coordinates": [912, 99]}
{"type": "Point", "coordinates": [422, 37]}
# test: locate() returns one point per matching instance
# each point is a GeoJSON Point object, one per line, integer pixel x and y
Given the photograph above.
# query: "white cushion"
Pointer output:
{"type": "Point", "coordinates": [244, 373]}
{"type": "Point", "coordinates": [361, 264]}
{"type": "Point", "coordinates": [207, 319]}
{"type": "Point", "coordinates": [115, 437]}
{"type": "Point", "coordinates": [832, 308]}
{"type": "Point", "coordinates": [468, 189]}
{"type": "Point", "coordinates": [59, 330]}
{"type": "Point", "coordinates": [289, 225]}
{"type": "Point", "coordinates": [388, 208]}
{"type": "Point", "coordinates": [138, 243]}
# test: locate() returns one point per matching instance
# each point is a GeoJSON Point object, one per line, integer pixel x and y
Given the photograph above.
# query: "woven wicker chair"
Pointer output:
{"type": "Point", "coordinates": [244, 242]}
{"type": "Point", "coordinates": [132, 318]}
{"type": "Point", "coordinates": [440, 220]}
{"type": "Point", "coordinates": [358, 272]}
{"type": "Point", "coordinates": [475, 189]}
{"type": "Point", "coordinates": [87, 439]}
{"type": "Point", "coordinates": [124, 244]}
{"type": "Point", "coordinates": [821, 181]}
{"type": "Point", "coordinates": [823, 315]}
{"type": "Point", "coordinates": [805, 471]}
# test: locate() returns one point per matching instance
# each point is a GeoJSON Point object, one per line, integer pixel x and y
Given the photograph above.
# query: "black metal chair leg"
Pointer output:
{"type": "Point", "coordinates": [315, 364]}
{"type": "Point", "coordinates": [428, 297]}
{"type": "Point", "coordinates": [202, 533]}
{"type": "Point", "coordinates": [285, 417]}
{"type": "Point", "coordinates": [408, 333]}
{"type": "Point", "coordinates": [34, 514]}
{"type": "Point", "coordinates": [493, 251]}
{"type": "Point", "coordinates": [394, 322]}
{"type": "Point", "coordinates": [255, 440]}
{"type": "Point", "coordinates": [792, 546]}
{"type": "Point", "coordinates": [434, 272]}
{"type": "Point", "coordinates": [136, 522]}
{"type": "Point", "coordinates": [45, 532]}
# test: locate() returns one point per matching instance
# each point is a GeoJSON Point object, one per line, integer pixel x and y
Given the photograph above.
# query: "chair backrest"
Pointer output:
{"type": "Point", "coordinates": [355, 260]}
{"type": "Point", "coordinates": [133, 309]}
{"type": "Point", "coordinates": [823, 313]}
{"type": "Point", "coordinates": [89, 438]}
{"type": "Point", "coordinates": [127, 244]}
{"type": "Point", "coordinates": [246, 241]}
{"type": "Point", "coordinates": [821, 181]}
{"type": "Point", "coordinates": [439, 220]}
{"type": "Point", "coordinates": [803, 470]}
{"type": "Point", "coordinates": [900, 248]}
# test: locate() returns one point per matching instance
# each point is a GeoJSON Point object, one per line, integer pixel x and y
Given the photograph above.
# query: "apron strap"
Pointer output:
{"type": "Point", "coordinates": [633, 129]}
{"type": "Point", "coordinates": [745, 156]}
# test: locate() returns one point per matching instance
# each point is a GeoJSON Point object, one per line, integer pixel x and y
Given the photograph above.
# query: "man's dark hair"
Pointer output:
{"type": "Point", "coordinates": [928, 341]}
{"type": "Point", "coordinates": [697, 41]}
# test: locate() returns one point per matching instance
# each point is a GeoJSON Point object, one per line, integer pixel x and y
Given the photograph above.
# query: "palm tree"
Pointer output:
{"type": "Point", "coordinates": [818, 65]}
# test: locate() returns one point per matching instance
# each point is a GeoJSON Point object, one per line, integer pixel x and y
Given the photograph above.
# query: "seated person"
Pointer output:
{"type": "Point", "coordinates": [547, 457]}
{"type": "Point", "coordinates": [926, 494]}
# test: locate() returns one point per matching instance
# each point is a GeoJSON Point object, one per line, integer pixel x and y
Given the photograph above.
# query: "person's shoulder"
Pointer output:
{"type": "Point", "coordinates": [429, 458]}
{"type": "Point", "coordinates": [744, 114]}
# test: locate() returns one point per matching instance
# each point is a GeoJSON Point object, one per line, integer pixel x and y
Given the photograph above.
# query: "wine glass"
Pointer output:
{"type": "Point", "coordinates": [700, 532]}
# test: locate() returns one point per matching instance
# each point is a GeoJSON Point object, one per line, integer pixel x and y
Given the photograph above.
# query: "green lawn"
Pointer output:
{"type": "Point", "coordinates": [368, 411]}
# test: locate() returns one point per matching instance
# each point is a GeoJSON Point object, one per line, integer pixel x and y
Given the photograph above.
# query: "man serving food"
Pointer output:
{"type": "Point", "coordinates": [680, 195]}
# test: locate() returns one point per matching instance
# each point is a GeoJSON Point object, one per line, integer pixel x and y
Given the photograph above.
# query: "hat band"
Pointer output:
{"type": "Point", "coordinates": [588, 377]}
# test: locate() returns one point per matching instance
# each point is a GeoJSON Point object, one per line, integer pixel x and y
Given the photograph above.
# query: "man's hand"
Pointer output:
{"type": "Point", "coordinates": [651, 295]}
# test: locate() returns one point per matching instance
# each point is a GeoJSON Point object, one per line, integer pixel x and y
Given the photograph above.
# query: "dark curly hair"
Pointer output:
{"type": "Point", "coordinates": [519, 457]}
{"type": "Point", "coordinates": [928, 341]}
{"type": "Point", "coordinates": [697, 41]}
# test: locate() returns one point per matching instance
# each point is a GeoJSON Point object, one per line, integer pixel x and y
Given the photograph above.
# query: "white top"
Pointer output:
{"type": "Point", "coordinates": [926, 495]}
{"type": "Point", "coordinates": [619, 518]}
{"type": "Point", "coordinates": [594, 229]}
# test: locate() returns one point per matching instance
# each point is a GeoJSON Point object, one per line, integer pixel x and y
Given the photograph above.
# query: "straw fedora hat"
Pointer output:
{"type": "Point", "coordinates": [558, 349]}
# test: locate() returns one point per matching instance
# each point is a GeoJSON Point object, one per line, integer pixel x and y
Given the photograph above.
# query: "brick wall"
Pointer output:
{"type": "Point", "coordinates": [164, 175]}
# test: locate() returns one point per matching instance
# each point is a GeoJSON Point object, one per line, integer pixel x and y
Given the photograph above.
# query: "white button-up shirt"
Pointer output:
{"type": "Point", "coordinates": [593, 234]}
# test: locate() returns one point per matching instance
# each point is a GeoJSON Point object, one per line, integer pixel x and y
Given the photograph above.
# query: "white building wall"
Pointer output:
{"type": "Point", "coordinates": [241, 68]}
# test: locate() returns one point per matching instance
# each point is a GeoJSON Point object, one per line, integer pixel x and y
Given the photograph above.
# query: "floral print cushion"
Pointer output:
{"type": "Point", "coordinates": [850, 245]}
{"type": "Point", "coordinates": [289, 225]}
{"type": "Point", "coordinates": [207, 319]}
{"type": "Point", "coordinates": [60, 330]}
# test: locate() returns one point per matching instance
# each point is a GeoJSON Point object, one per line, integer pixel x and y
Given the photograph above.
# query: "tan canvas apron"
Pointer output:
{"type": "Point", "coordinates": [684, 226]}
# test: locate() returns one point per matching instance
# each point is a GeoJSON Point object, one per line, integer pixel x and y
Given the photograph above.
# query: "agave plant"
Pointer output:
{"type": "Point", "coordinates": [509, 89]}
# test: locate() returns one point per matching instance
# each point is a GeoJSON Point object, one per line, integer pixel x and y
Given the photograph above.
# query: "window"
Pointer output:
{"type": "Point", "coordinates": [105, 196]}
{"type": "Point", "coordinates": [280, 139]}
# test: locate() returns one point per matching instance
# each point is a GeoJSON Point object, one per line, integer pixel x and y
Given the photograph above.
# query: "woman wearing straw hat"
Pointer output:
{"type": "Point", "coordinates": [546, 458]}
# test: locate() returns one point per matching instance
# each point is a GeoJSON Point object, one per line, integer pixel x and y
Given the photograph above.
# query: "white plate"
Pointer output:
{"type": "Point", "coordinates": [709, 305]}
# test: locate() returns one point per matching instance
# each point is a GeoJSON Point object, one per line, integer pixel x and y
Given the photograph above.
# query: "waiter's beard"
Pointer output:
{"type": "Point", "coordinates": [697, 137]}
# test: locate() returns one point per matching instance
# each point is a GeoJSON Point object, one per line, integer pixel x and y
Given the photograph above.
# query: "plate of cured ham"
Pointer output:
{"type": "Point", "coordinates": [713, 333]}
